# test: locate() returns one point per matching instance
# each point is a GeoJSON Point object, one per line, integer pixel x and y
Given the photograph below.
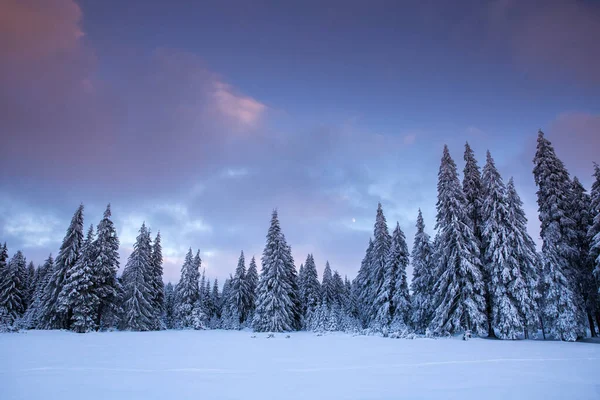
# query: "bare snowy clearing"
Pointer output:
{"type": "Point", "coordinates": [233, 365]}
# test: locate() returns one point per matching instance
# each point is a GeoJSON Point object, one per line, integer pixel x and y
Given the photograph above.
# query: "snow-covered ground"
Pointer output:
{"type": "Point", "coordinates": [233, 365]}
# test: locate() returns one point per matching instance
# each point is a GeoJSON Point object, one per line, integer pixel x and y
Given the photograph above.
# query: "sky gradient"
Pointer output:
{"type": "Point", "coordinates": [201, 119]}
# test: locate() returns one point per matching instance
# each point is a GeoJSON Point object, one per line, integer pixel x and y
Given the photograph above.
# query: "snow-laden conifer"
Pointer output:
{"type": "Point", "coordinates": [423, 278]}
{"type": "Point", "coordinates": [277, 307]}
{"type": "Point", "coordinates": [70, 249]}
{"type": "Point", "coordinates": [78, 296]}
{"type": "Point", "coordinates": [12, 289]}
{"type": "Point", "coordinates": [563, 309]}
{"type": "Point", "coordinates": [459, 290]}
{"type": "Point", "coordinates": [138, 313]}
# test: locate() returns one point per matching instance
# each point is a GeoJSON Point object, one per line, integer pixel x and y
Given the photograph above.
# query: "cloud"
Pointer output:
{"type": "Point", "coordinates": [34, 29]}
{"type": "Point", "coordinates": [550, 39]}
{"type": "Point", "coordinates": [244, 110]}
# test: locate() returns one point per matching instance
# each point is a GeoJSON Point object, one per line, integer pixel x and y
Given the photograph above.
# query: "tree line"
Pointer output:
{"type": "Point", "coordinates": [481, 273]}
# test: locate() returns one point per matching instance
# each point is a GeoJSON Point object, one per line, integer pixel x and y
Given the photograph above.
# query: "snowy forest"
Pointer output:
{"type": "Point", "coordinates": [478, 273]}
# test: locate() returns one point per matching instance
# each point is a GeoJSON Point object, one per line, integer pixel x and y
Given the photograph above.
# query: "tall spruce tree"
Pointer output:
{"type": "Point", "coordinates": [563, 308]}
{"type": "Point", "coordinates": [78, 296]}
{"type": "Point", "coordinates": [361, 285]}
{"type": "Point", "coordinates": [311, 294]}
{"type": "Point", "coordinates": [187, 291]}
{"type": "Point", "coordinates": [459, 290]}
{"type": "Point", "coordinates": [594, 235]}
{"type": "Point", "coordinates": [138, 313]}
{"type": "Point", "coordinates": [239, 292]}
{"type": "Point", "coordinates": [278, 307]}
{"type": "Point", "coordinates": [524, 252]}
{"type": "Point", "coordinates": [393, 302]}
{"type": "Point", "coordinates": [327, 289]}
{"type": "Point", "coordinates": [507, 287]}
{"type": "Point", "coordinates": [30, 284]}
{"type": "Point", "coordinates": [338, 289]}
{"type": "Point", "coordinates": [581, 208]}
{"type": "Point", "coordinates": [378, 258]}
{"type": "Point", "coordinates": [423, 278]}
{"type": "Point", "coordinates": [70, 250]}
{"type": "Point", "coordinates": [43, 273]}
{"type": "Point", "coordinates": [13, 301]}
{"type": "Point", "coordinates": [105, 266]}
{"type": "Point", "coordinates": [158, 286]}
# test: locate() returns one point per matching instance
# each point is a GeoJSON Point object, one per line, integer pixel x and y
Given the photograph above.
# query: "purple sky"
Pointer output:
{"type": "Point", "coordinates": [200, 119]}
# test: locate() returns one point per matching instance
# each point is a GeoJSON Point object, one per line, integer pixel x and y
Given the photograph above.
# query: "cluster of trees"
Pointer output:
{"type": "Point", "coordinates": [480, 273]}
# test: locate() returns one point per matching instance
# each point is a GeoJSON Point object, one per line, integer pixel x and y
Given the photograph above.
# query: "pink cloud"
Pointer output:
{"type": "Point", "coordinates": [33, 29]}
{"type": "Point", "coordinates": [245, 110]}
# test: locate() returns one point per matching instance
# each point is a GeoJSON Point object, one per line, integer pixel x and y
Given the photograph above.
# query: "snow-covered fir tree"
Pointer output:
{"type": "Point", "coordinates": [31, 319]}
{"type": "Point", "coordinates": [459, 290]}
{"type": "Point", "coordinates": [327, 289]}
{"type": "Point", "coordinates": [472, 188]}
{"type": "Point", "coordinates": [584, 267]}
{"type": "Point", "coordinates": [13, 290]}
{"type": "Point", "coordinates": [252, 283]}
{"type": "Point", "coordinates": [105, 267]}
{"type": "Point", "coordinates": [563, 309]}
{"type": "Point", "coordinates": [594, 233]}
{"type": "Point", "coordinates": [187, 291]}
{"type": "Point", "coordinates": [378, 260]}
{"type": "Point", "coordinates": [310, 289]}
{"type": "Point", "coordinates": [338, 288]}
{"type": "Point", "coordinates": [393, 301]}
{"type": "Point", "coordinates": [78, 297]}
{"type": "Point", "coordinates": [70, 249]}
{"type": "Point", "coordinates": [524, 252]}
{"type": "Point", "coordinates": [360, 287]}
{"type": "Point", "coordinates": [30, 284]}
{"type": "Point", "coordinates": [423, 278]}
{"type": "Point", "coordinates": [138, 313]}
{"type": "Point", "coordinates": [507, 288]}
{"type": "Point", "coordinates": [277, 307]}
{"type": "Point", "coordinates": [238, 295]}
{"type": "Point", "coordinates": [158, 286]}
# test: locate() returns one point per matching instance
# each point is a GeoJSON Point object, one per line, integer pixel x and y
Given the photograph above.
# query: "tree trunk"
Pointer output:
{"type": "Point", "coordinates": [592, 327]}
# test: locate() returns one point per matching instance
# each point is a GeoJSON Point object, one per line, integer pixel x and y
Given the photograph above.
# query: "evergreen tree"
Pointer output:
{"type": "Point", "coordinates": [581, 208]}
{"type": "Point", "coordinates": [31, 319]}
{"type": "Point", "coordinates": [13, 290]}
{"type": "Point", "coordinates": [169, 305]}
{"type": "Point", "coordinates": [523, 251]}
{"type": "Point", "coordinates": [78, 296]}
{"type": "Point", "coordinates": [593, 234]}
{"type": "Point", "coordinates": [252, 282]}
{"type": "Point", "coordinates": [361, 285]}
{"type": "Point", "coordinates": [3, 259]}
{"type": "Point", "coordinates": [158, 286]}
{"type": "Point", "coordinates": [378, 258]}
{"type": "Point", "coordinates": [472, 188]}
{"type": "Point", "coordinates": [215, 299]}
{"type": "Point", "coordinates": [507, 288]}
{"type": "Point", "coordinates": [392, 302]}
{"type": "Point", "coordinates": [188, 291]}
{"type": "Point", "coordinates": [338, 288]}
{"type": "Point", "coordinates": [277, 307]}
{"type": "Point", "coordinates": [239, 293]}
{"type": "Point", "coordinates": [310, 293]}
{"type": "Point", "coordinates": [459, 290]}
{"type": "Point", "coordinates": [105, 267]}
{"type": "Point", "coordinates": [51, 317]}
{"type": "Point", "coordinates": [562, 307]}
{"type": "Point", "coordinates": [137, 285]}
{"type": "Point", "coordinates": [327, 289]}
{"type": "Point", "coordinates": [423, 278]}
{"type": "Point", "coordinates": [30, 284]}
